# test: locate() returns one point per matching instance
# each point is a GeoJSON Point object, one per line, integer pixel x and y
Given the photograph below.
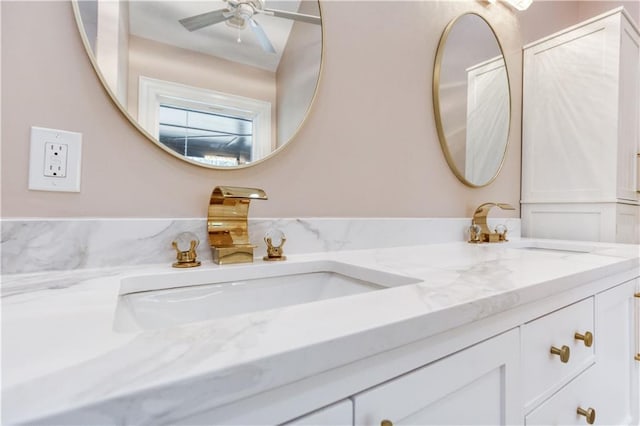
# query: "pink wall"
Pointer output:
{"type": "Point", "coordinates": [543, 18]}
{"type": "Point", "coordinates": [589, 9]}
{"type": "Point", "coordinates": [546, 17]}
{"type": "Point", "coordinates": [368, 149]}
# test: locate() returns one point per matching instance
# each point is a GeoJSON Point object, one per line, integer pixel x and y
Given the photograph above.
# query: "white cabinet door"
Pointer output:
{"type": "Point", "coordinates": [616, 390]}
{"type": "Point", "coordinates": [581, 132]}
{"type": "Point", "coordinates": [479, 385]}
{"type": "Point", "coordinates": [629, 112]}
{"type": "Point", "coordinates": [570, 122]}
{"type": "Point", "coordinates": [338, 414]}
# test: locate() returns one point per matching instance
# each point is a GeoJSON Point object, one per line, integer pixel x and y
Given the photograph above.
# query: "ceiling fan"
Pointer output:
{"type": "Point", "coordinates": [239, 13]}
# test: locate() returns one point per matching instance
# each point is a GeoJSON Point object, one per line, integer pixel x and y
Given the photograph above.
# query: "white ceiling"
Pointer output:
{"type": "Point", "coordinates": [158, 20]}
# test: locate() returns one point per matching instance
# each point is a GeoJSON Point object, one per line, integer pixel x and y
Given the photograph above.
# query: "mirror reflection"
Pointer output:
{"type": "Point", "coordinates": [217, 83]}
{"type": "Point", "coordinates": [471, 100]}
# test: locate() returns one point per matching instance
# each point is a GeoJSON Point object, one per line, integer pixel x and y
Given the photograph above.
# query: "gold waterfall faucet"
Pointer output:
{"type": "Point", "coordinates": [479, 231]}
{"type": "Point", "coordinates": [228, 224]}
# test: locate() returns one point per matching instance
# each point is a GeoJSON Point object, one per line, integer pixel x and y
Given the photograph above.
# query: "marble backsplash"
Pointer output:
{"type": "Point", "coordinates": [37, 245]}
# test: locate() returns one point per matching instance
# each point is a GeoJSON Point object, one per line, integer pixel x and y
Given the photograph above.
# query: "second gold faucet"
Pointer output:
{"type": "Point", "coordinates": [479, 231]}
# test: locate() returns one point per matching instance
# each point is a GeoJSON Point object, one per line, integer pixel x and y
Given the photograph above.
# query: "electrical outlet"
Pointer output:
{"type": "Point", "coordinates": [55, 160]}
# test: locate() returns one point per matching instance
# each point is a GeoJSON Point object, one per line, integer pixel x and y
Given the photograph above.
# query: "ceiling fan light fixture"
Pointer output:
{"type": "Point", "coordinates": [241, 15]}
{"type": "Point", "coordinates": [236, 22]}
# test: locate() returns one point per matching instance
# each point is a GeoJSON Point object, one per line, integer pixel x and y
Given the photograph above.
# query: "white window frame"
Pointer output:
{"type": "Point", "coordinates": [153, 92]}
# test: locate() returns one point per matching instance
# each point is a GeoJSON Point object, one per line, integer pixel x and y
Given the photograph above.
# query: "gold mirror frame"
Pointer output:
{"type": "Point", "coordinates": [156, 142]}
{"type": "Point", "coordinates": [436, 103]}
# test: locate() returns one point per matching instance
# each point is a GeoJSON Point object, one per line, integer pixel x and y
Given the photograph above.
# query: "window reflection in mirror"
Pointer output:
{"type": "Point", "coordinates": [220, 140]}
{"type": "Point", "coordinates": [220, 129]}
{"type": "Point", "coordinates": [471, 100]}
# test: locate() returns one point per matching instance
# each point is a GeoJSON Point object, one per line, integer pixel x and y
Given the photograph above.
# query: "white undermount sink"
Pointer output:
{"type": "Point", "coordinates": [162, 300]}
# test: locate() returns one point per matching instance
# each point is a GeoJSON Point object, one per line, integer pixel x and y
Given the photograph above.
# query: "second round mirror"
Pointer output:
{"type": "Point", "coordinates": [471, 100]}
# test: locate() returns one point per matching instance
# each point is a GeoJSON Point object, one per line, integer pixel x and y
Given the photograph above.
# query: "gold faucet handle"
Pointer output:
{"type": "Point", "coordinates": [186, 258]}
{"type": "Point", "coordinates": [502, 230]}
{"type": "Point", "coordinates": [474, 233]}
{"type": "Point", "coordinates": [275, 252]}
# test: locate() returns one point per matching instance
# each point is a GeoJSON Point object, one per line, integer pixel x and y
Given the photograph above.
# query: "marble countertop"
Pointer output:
{"type": "Point", "coordinates": [60, 350]}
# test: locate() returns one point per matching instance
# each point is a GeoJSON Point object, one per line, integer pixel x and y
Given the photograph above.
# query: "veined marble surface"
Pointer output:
{"type": "Point", "coordinates": [33, 245]}
{"type": "Point", "coordinates": [63, 362]}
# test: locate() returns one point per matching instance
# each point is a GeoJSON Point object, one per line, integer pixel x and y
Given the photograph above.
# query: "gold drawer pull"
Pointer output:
{"type": "Point", "coordinates": [589, 413]}
{"type": "Point", "coordinates": [587, 338]}
{"type": "Point", "coordinates": [564, 352]}
{"type": "Point", "coordinates": [637, 357]}
{"type": "Point", "coordinates": [637, 295]}
{"type": "Point", "coordinates": [386, 423]}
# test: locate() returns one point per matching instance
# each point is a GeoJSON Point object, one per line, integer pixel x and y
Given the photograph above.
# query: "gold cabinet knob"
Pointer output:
{"type": "Point", "coordinates": [587, 338]}
{"type": "Point", "coordinates": [563, 352]}
{"type": "Point", "coordinates": [386, 423]}
{"type": "Point", "coordinates": [637, 357]}
{"type": "Point", "coordinates": [589, 414]}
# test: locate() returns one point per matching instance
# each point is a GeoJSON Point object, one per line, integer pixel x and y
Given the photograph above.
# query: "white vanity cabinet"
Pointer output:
{"type": "Point", "coordinates": [603, 382]}
{"type": "Point", "coordinates": [581, 127]}
{"type": "Point", "coordinates": [478, 385]}
{"type": "Point", "coordinates": [498, 359]}
{"type": "Point", "coordinates": [499, 370]}
{"type": "Point", "coordinates": [516, 377]}
{"type": "Point", "coordinates": [616, 369]}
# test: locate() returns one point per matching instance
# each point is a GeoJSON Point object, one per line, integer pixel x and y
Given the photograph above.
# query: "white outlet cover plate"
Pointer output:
{"type": "Point", "coordinates": [40, 136]}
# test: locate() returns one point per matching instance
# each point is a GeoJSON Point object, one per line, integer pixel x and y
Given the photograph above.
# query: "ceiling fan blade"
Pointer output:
{"type": "Point", "coordinates": [262, 36]}
{"type": "Point", "coordinates": [311, 19]}
{"type": "Point", "coordinates": [196, 22]}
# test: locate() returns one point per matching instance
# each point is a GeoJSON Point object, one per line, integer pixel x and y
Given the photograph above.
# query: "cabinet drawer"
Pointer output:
{"type": "Point", "coordinates": [476, 386]}
{"type": "Point", "coordinates": [545, 371]}
{"type": "Point", "coordinates": [562, 408]}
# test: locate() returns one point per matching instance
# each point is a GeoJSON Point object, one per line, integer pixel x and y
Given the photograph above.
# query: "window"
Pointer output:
{"type": "Point", "coordinates": [215, 139]}
{"type": "Point", "coordinates": [203, 125]}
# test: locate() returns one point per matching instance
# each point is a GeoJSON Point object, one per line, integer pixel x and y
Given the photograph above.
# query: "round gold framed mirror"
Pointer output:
{"type": "Point", "coordinates": [471, 100]}
{"type": "Point", "coordinates": [220, 84]}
